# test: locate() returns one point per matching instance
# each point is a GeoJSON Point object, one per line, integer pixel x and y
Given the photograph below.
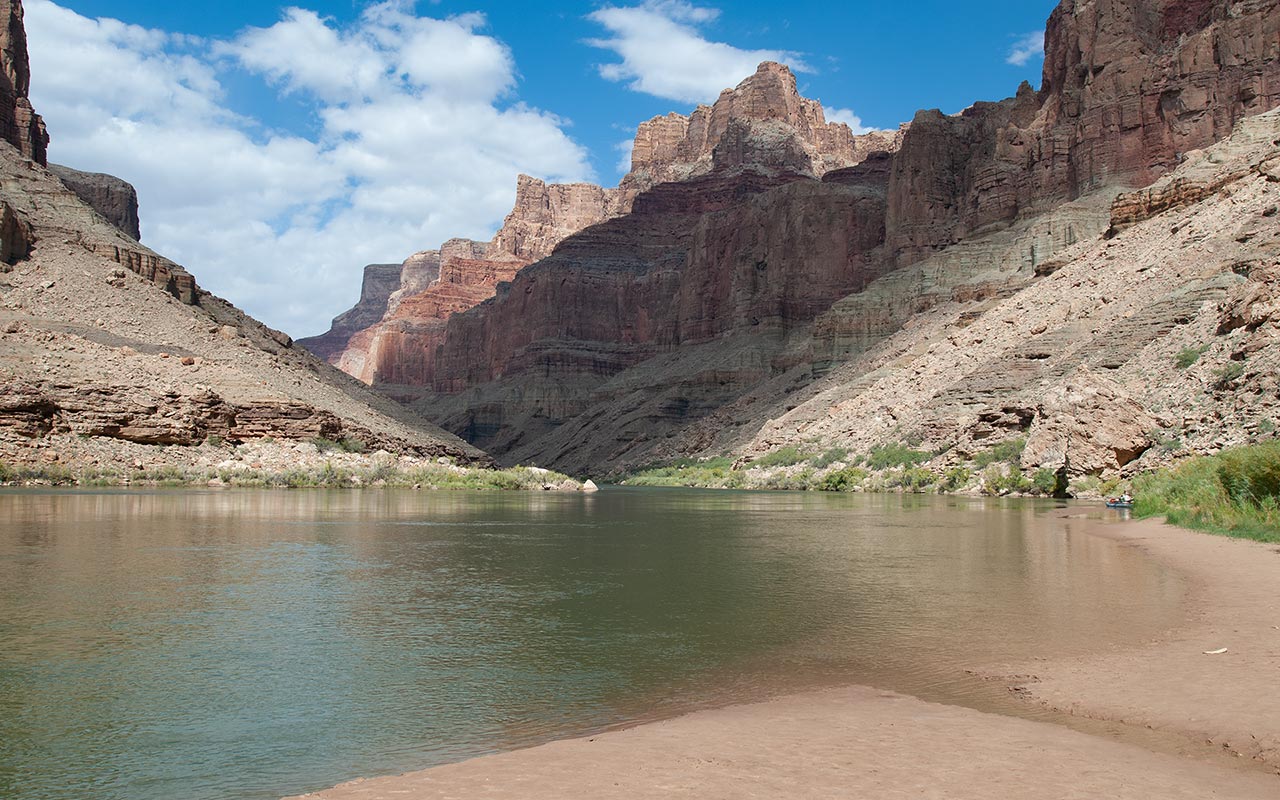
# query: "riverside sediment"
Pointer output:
{"type": "Point", "coordinates": [1210, 713]}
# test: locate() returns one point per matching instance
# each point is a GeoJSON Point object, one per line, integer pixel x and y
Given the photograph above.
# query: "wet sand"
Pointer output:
{"type": "Point", "coordinates": [1221, 712]}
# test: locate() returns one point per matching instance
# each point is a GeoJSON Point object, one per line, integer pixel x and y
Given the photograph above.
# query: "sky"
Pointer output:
{"type": "Point", "coordinates": [279, 148]}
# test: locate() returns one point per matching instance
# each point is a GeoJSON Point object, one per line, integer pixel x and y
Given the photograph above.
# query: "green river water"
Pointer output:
{"type": "Point", "coordinates": [237, 645]}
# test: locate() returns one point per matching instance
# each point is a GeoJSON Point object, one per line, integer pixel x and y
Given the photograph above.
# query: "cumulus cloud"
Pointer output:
{"type": "Point", "coordinates": [418, 138]}
{"type": "Point", "coordinates": [1025, 49]}
{"type": "Point", "coordinates": [664, 53]}
{"type": "Point", "coordinates": [848, 118]}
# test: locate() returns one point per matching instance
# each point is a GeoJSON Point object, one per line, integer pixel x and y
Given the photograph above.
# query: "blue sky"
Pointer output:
{"type": "Point", "coordinates": [278, 148]}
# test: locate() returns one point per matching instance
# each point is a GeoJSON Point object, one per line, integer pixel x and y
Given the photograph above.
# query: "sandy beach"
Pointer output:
{"type": "Point", "coordinates": [1166, 719]}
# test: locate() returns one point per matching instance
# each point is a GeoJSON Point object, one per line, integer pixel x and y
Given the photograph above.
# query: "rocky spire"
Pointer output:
{"type": "Point", "coordinates": [19, 123]}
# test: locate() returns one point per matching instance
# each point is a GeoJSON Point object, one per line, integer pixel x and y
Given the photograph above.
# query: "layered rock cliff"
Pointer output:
{"type": "Point", "coordinates": [762, 125]}
{"type": "Point", "coordinates": [111, 358]}
{"type": "Point", "coordinates": [20, 125]}
{"type": "Point", "coordinates": [114, 198]}
{"type": "Point", "coordinates": [1159, 341]}
{"type": "Point", "coordinates": [1128, 86]}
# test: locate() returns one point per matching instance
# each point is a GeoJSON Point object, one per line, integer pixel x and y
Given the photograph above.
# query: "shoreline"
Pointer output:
{"type": "Point", "coordinates": [1164, 718]}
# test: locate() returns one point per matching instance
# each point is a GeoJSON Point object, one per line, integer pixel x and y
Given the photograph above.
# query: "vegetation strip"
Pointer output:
{"type": "Point", "coordinates": [1236, 492]}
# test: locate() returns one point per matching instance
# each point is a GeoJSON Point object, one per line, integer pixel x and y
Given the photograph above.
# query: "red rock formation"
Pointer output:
{"type": "Point", "coordinates": [762, 120]}
{"type": "Point", "coordinates": [380, 281]}
{"type": "Point", "coordinates": [763, 125]}
{"type": "Point", "coordinates": [737, 253]}
{"type": "Point", "coordinates": [1129, 86]}
{"type": "Point", "coordinates": [20, 125]}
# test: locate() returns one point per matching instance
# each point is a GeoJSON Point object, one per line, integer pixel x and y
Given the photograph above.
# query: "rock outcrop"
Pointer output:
{"type": "Point", "coordinates": [1128, 87]}
{"type": "Point", "coordinates": [380, 281]}
{"type": "Point", "coordinates": [16, 237]}
{"type": "Point", "coordinates": [115, 199]}
{"type": "Point", "coordinates": [111, 357]}
{"type": "Point", "coordinates": [767, 253]}
{"type": "Point", "coordinates": [20, 125]}
{"type": "Point", "coordinates": [763, 125]}
{"type": "Point", "coordinates": [763, 122]}
{"type": "Point", "coordinates": [1088, 425]}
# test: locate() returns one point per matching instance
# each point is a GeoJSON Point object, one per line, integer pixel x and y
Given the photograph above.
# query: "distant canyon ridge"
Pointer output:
{"type": "Point", "coordinates": [763, 278]}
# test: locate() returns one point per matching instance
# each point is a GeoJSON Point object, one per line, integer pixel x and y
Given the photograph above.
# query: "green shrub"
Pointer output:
{"type": "Point", "coordinates": [1266, 426]}
{"type": "Point", "coordinates": [829, 457]}
{"type": "Point", "coordinates": [1188, 356]}
{"type": "Point", "coordinates": [711, 473]}
{"type": "Point", "coordinates": [956, 478]}
{"type": "Point", "coordinates": [913, 479]}
{"type": "Point", "coordinates": [1229, 374]}
{"type": "Point", "coordinates": [842, 480]}
{"type": "Point", "coordinates": [1007, 452]}
{"type": "Point", "coordinates": [1046, 482]}
{"type": "Point", "coordinates": [1236, 492]}
{"type": "Point", "coordinates": [1000, 479]}
{"type": "Point", "coordinates": [783, 457]}
{"type": "Point", "coordinates": [895, 455]}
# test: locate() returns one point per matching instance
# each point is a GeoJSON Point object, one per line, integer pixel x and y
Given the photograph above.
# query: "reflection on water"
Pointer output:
{"type": "Point", "coordinates": [255, 644]}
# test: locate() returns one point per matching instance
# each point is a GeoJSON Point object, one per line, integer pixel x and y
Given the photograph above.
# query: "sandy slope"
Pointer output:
{"type": "Point", "coordinates": [858, 741]}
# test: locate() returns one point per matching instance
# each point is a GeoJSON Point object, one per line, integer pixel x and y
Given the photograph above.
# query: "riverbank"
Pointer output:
{"type": "Point", "coordinates": [262, 463]}
{"type": "Point", "coordinates": [858, 740]}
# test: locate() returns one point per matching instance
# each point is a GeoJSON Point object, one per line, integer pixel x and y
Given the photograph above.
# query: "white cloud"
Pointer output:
{"type": "Point", "coordinates": [417, 141]}
{"type": "Point", "coordinates": [624, 148]}
{"type": "Point", "coordinates": [1025, 48]}
{"type": "Point", "coordinates": [664, 54]}
{"type": "Point", "coordinates": [848, 118]}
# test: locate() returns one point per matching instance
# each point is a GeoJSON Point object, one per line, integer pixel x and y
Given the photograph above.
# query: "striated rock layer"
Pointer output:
{"type": "Point", "coordinates": [110, 355]}
{"type": "Point", "coordinates": [1159, 342]}
{"type": "Point", "coordinates": [751, 269]}
{"type": "Point", "coordinates": [730, 291]}
{"type": "Point", "coordinates": [20, 125]}
{"type": "Point", "coordinates": [762, 125]}
{"type": "Point", "coordinates": [115, 199]}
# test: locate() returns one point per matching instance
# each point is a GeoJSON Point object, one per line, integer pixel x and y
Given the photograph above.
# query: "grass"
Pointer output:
{"type": "Point", "coordinates": [1007, 452]}
{"type": "Point", "coordinates": [327, 476]}
{"type": "Point", "coordinates": [782, 457]}
{"type": "Point", "coordinates": [1228, 375]}
{"type": "Point", "coordinates": [1236, 493]}
{"type": "Point", "coordinates": [829, 457]}
{"type": "Point", "coordinates": [711, 473]}
{"type": "Point", "coordinates": [1188, 356]}
{"type": "Point", "coordinates": [895, 455]}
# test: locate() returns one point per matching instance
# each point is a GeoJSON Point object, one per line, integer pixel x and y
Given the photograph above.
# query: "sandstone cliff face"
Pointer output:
{"type": "Point", "coordinates": [1089, 361]}
{"type": "Point", "coordinates": [763, 122]}
{"type": "Point", "coordinates": [763, 125]}
{"type": "Point", "coordinates": [20, 125]}
{"type": "Point", "coordinates": [380, 281]}
{"type": "Point", "coordinates": [110, 354]}
{"type": "Point", "coordinates": [115, 199]}
{"type": "Point", "coordinates": [1129, 86]}
{"type": "Point", "coordinates": [718, 295]}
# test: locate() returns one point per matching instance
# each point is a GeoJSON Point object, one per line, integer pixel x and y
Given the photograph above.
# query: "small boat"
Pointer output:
{"type": "Point", "coordinates": [1116, 502]}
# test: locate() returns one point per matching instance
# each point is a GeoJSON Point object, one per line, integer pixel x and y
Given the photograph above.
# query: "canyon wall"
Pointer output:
{"type": "Point", "coordinates": [115, 199]}
{"type": "Point", "coordinates": [764, 248]}
{"type": "Point", "coordinates": [1128, 87]}
{"type": "Point", "coordinates": [112, 359]}
{"type": "Point", "coordinates": [762, 125]}
{"type": "Point", "coordinates": [20, 125]}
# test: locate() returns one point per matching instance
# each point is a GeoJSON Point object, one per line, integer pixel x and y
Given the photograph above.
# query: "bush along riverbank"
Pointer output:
{"type": "Point", "coordinates": [1236, 493]}
{"type": "Point", "coordinates": [292, 465]}
{"type": "Point", "coordinates": [896, 467]}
